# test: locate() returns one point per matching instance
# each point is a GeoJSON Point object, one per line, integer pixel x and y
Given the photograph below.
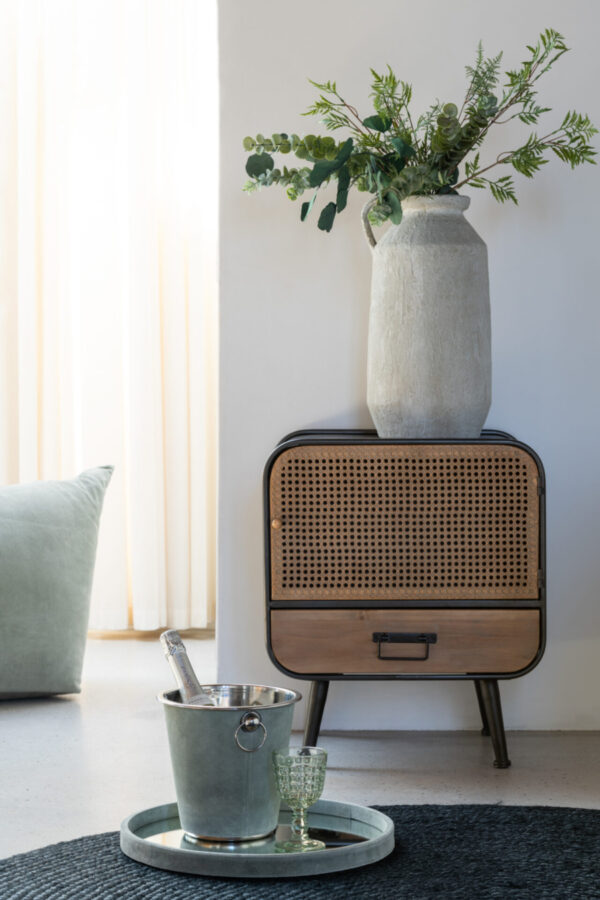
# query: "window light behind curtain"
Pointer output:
{"type": "Point", "coordinates": [108, 223]}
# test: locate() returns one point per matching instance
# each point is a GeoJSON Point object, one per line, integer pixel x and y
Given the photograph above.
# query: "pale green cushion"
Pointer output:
{"type": "Point", "coordinates": [48, 537]}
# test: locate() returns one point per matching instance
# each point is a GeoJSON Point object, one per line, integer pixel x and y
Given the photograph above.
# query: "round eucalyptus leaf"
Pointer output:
{"type": "Point", "coordinates": [259, 164]}
{"type": "Point", "coordinates": [249, 143]}
{"type": "Point", "coordinates": [450, 109]}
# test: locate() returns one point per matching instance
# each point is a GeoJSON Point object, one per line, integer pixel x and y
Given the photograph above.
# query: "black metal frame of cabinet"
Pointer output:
{"type": "Point", "coordinates": [486, 686]}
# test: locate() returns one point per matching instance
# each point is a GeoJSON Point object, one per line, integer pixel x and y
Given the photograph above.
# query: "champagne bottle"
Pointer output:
{"type": "Point", "coordinates": [190, 689]}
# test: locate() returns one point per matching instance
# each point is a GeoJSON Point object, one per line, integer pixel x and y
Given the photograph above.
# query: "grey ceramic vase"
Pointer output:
{"type": "Point", "coordinates": [429, 350]}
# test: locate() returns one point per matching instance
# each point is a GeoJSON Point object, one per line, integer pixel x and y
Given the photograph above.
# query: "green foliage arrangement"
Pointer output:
{"type": "Point", "coordinates": [393, 156]}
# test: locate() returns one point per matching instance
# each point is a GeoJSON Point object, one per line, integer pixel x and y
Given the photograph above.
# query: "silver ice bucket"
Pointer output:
{"type": "Point", "coordinates": [222, 759]}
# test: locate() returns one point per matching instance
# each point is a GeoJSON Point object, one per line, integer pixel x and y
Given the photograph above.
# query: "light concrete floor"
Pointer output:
{"type": "Point", "coordinates": [79, 765]}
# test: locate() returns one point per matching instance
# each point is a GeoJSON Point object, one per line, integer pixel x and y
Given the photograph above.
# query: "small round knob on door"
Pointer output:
{"type": "Point", "coordinates": [275, 523]}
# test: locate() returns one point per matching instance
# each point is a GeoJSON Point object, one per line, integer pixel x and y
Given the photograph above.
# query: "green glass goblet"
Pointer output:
{"type": "Point", "coordinates": [300, 776]}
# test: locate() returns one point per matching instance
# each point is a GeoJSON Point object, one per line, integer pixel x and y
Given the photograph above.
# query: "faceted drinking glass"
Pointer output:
{"type": "Point", "coordinates": [300, 776]}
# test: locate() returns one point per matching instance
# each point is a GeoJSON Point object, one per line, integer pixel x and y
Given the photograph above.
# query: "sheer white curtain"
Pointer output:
{"type": "Point", "coordinates": [108, 224]}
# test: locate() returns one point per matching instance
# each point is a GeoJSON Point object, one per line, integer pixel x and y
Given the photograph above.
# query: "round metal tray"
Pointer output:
{"type": "Point", "coordinates": [354, 836]}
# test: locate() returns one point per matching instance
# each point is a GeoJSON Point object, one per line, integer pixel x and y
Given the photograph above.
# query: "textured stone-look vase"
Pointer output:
{"type": "Point", "coordinates": [429, 351]}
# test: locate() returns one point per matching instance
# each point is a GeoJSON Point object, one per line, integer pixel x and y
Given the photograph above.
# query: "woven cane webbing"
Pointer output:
{"type": "Point", "coordinates": [401, 522]}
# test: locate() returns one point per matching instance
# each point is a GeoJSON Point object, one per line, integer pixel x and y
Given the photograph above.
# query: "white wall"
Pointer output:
{"type": "Point", "coordinates": [294, 308]}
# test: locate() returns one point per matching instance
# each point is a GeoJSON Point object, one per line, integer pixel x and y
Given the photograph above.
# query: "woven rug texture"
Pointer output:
{"type": "Point", "coordinates": [472, 852]}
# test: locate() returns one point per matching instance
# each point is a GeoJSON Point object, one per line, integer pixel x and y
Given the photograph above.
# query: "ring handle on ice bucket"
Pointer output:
{"type": "Point", "coordinates": [249, 722]}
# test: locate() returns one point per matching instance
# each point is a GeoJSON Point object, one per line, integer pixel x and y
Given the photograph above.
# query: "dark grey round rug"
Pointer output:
{"type": "Point", "coordinates": [471, 852]}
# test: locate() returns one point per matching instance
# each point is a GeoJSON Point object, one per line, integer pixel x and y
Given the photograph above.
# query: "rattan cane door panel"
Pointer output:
{"type": "Point", "coordinates": [404, 521]}
{"type": "Point", "coordinates": [468, 641]}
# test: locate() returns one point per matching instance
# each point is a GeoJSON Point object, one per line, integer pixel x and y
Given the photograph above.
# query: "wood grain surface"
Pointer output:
{"type": "Point", "coordinates": [339, 641]}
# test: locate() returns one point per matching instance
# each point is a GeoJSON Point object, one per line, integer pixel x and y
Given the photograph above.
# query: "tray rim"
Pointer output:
{"type": "Point", "coordinates": [267, 865]}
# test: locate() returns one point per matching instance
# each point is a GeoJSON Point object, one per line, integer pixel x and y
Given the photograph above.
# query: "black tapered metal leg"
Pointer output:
{"type": "Point", "coordinates": [490, 695]}
{"type": "Point", "coordinates": [314, 715]}
{"type": "Point", "coordinates": [484, 720]}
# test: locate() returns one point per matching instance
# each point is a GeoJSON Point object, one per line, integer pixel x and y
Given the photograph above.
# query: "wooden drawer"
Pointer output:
{"type": "Point", "coordinates": [468, 641]}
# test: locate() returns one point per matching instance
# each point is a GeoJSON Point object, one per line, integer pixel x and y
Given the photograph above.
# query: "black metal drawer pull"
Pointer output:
{"type": "Point", "coordinates": [403, 637]}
